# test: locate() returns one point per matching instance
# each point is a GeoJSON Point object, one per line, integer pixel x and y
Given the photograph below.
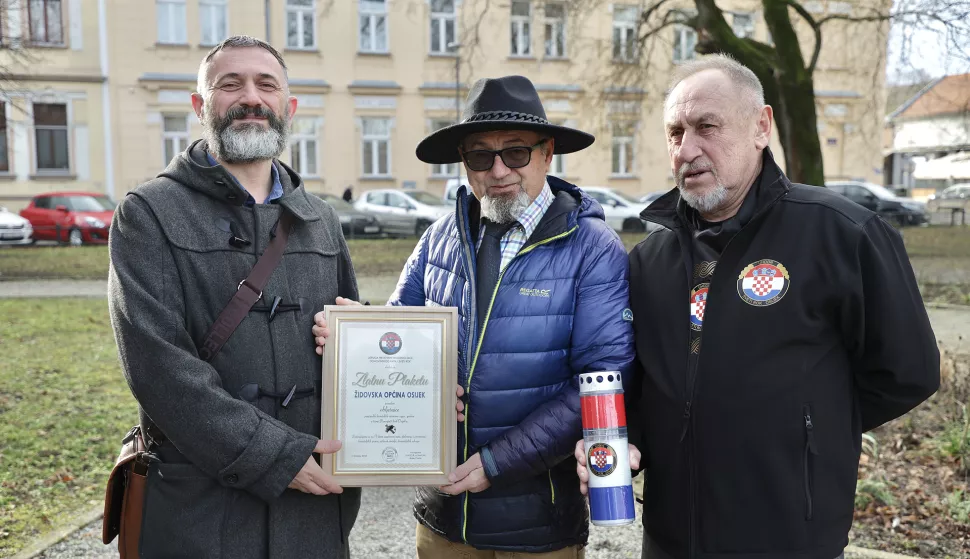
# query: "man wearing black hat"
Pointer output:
{"type": "Point", "coordinates": [540, 282]}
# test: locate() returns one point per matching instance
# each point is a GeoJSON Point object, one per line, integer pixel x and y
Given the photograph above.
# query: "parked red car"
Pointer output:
{"type": "Point", "coordinates": [75, 218]}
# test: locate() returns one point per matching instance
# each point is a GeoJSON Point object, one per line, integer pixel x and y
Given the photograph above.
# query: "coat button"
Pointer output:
{"type": "Point", "coordinates": [231, 479]}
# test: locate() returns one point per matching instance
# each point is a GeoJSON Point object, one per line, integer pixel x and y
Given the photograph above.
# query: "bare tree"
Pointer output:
{"type": "Point", "coordinates": [787, 64]}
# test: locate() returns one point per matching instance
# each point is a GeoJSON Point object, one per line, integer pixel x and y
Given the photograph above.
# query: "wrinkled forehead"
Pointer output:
{"type": "Point", "coordinates": [497, 139]}
{"type": "Point", "coordinates": [705, 93]}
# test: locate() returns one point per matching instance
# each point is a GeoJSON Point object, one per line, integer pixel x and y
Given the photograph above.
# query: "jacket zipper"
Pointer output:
{"type": "Point", "coordinates": [552, 487]}
{"type": "Point", "coordinates": [692, 380]}
{"type": "Point", "coordinates": [810, 450]}
{"type": "Point", "coordinates": [472, 322]}
{"type": "Point", "coordinates": [478, 348]}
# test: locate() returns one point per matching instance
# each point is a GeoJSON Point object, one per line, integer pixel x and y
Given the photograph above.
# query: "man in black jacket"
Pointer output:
{"type": "Point", "coordinates": [774, 323]}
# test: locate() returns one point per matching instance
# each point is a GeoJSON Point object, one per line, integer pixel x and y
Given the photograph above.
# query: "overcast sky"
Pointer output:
{"type": "Point", "coordinates": [919, 47]}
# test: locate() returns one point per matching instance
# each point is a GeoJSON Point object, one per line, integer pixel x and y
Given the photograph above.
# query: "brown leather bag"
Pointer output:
{"type": "Point", "coordinates": [125, 495]}
{"type": "Point", "coordinates": [124, 498]}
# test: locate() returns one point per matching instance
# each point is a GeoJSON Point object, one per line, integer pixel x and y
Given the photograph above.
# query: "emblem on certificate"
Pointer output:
{"type": "Point", "coordinates": [389, 380]}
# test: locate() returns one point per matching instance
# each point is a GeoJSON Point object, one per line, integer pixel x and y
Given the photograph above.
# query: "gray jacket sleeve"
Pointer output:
{"type": "Point", "coordinates": [226, 438]}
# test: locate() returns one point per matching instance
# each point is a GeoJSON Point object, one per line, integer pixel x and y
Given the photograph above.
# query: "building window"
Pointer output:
{"type": "Point", "coordinates": [558, 168]}
{"type": "Point", "coordinates": [555, 30]}
{"type": "Point", "coordinates": [303, 146]}
{"type": "Point", "coordinates": [300, 24]}
{"type": "Point", "coordinates": [623, 148]}
{"type": "Point", "coordinates": [46, 22]}
{"type": "Point", "coordinates": [443, 30]}
{"type": "Point", "coordinates": [521, 32]}
{"type": "Point", "coordinates": [625, 19]}
{"type": "Point", "coordinates": [175, 136]}
{"type": "Point", "coordinates": [50, 134]}
{"type": "Point", "coordinates": [685, 39]}
{"type": "Point", "coordinates": [373, 26]}
{"type": "Point", "coordinates": [376, 147]}
{"type": "Point", "coordinates": [4, 156]}
{"type": "Point", "coordinates": [444, 169]}
{"type": "Point", "coordinates": [213, 15]}
{"type": "Point", "coordinates": [743, 25]}
{"type": "Point", "coordinates": [171, 21]}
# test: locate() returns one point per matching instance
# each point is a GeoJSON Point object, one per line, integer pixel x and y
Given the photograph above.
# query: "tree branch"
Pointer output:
{"type": "Point", "coordinates": [816, 27]}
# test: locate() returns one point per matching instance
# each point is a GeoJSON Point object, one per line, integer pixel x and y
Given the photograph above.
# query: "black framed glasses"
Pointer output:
{"type": "Point", "coordinates": [513, 158]}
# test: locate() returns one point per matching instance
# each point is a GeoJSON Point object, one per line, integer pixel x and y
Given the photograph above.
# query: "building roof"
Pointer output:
{"type": "Point", "coordinates": [946, 96]}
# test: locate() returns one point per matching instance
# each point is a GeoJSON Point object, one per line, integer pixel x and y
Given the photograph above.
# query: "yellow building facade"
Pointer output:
{"type": "Point", "coordinates": [99, 98]}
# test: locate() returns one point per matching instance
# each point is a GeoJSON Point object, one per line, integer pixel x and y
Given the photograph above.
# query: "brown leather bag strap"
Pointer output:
{"type": "Point", "coordinates": [248, 292]}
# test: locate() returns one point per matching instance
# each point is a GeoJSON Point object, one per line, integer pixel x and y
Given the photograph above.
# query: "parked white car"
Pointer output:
{"type": "Point", "coordinates": [403, 212]}
{"type": "Point", "coordinates": [451, 189]}
{"type": "Point", "coordinates": [14, 230]}
{"type": "Point", "coordinates": [622, 211]}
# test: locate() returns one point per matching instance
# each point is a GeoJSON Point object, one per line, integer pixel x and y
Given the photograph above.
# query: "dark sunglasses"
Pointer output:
{"type": "Point", "coordinates": [513, 158]}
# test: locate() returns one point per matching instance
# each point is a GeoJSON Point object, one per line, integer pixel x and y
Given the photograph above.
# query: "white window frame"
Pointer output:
{"type": "Point", "coordinates": [626, 168]}
{"type": "Point", "coordinates": [685, 39]}
{"type": "Point", "coordinates": [175, 34]}
{"type": "Point", "coordinates": [442, 170]}
{"type": "Point", "coordinates": [300, 12]}
{"type": "Point", "coordinates": [442, 20]}
{"type": "Point", "coordinates": [178, 139]}
{"type": "Point", "coordinates": [553, 26]}
{"type": "Point", "coordinates": [371, 142]}
{"type": "Point", "coordinates": [523, 24]}
{"type": "Point", "coordinates": [746, 32]}
{"type": "Point", "coordinates": [369, 10]}
{"type": "Point", "coordinates": [69, 117]}
{"type": "Point", "coordinates": [209, 13]}
{"type": "Point", "coordinates": [31, 16]}
{"type": "Point", "coordinates": [628, 34]}
{"type": "Point", "coordinates": [305, 144]}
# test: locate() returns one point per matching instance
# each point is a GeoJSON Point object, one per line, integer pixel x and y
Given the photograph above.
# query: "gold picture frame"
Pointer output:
{"type": "Point", "coordinates": [389, 380]}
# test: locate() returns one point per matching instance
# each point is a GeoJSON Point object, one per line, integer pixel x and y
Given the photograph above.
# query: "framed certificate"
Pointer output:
{"type": "Point", "coordinates": [389, 380]}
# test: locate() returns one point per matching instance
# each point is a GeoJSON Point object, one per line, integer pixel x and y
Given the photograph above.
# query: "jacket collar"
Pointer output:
{"type": "Point", "coordinates": [773, 185]}
{"type": "Point", "coordinates": [192, 169]}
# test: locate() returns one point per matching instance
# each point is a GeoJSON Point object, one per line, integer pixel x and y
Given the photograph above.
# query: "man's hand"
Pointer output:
{"type": "Point", "coordinates": [470, 476]}
{"type": "Point", "coordinates": [311, 478]}
{"type": "Point", "coordinates": [459, 405]}
{"type": "Point", "coordinates": [581, 463]}
{"type": "Point", "coordinates": [320, 329]}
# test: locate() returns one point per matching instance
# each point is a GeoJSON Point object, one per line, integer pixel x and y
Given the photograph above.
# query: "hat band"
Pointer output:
{"type": "Point", "coordinates": [506, 115]}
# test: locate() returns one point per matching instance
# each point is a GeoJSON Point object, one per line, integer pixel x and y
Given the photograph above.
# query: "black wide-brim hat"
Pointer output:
{"type": "Point", "coordinates": [509, 103]}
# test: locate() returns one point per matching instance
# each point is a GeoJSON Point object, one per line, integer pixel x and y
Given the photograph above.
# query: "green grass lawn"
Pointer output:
{"type": "Point", "coordinates": [64, 408]}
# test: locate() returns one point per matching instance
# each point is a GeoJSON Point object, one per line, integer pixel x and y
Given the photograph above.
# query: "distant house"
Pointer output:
{"type": "Point", "coordinates": [930, 138]}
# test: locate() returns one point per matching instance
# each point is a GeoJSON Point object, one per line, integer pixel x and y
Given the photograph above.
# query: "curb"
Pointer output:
{"type": "Point", "coordinates": [41, 545]}
{"type": "Point", "coordinates": [949, 306]}
{"type": "Point", "coordinates": [853, 551]}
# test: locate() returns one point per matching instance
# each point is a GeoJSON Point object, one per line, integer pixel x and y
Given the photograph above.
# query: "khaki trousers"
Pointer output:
{"type": "Point", "coordinates": [433, 546]}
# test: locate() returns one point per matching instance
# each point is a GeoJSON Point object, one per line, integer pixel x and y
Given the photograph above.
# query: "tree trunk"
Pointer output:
{"type": "Point", "coordinates": [788, 84]}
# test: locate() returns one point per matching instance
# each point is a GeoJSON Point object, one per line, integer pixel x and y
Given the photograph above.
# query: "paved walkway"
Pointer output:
{"type": "Point", "coordinates": [374, 289]}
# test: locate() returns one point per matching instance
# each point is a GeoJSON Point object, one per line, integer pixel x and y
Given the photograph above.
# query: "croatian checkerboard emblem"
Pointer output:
{"type": "Point", "coordinates": [763, 283]}
{"type": "Point", "coordinates": [602, 459]}
{"type": "Point", "coordinates": [390, 343]}
{"type": "Point", "coordinates": [698, 302]}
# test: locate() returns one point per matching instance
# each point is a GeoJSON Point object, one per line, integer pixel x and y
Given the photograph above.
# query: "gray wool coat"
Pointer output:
{"type": "Point", "coordinates": [219, 488]}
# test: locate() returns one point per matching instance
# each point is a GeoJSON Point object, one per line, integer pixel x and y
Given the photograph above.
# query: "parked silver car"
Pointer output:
{"type": "Point", "coordinates": [404, 212]}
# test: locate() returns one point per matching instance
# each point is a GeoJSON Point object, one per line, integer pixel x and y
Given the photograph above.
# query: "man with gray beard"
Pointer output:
{"type": "Point", "coordinates": [540, 282]}
{"type": "Point", "coordinates": [775, 323]}
{"type": "Point", "coordinates": [231, 431]}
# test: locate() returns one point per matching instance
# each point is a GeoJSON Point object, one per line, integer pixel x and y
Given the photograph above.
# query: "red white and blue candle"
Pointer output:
{"type": "Point", "coordinates": [607, 453]}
